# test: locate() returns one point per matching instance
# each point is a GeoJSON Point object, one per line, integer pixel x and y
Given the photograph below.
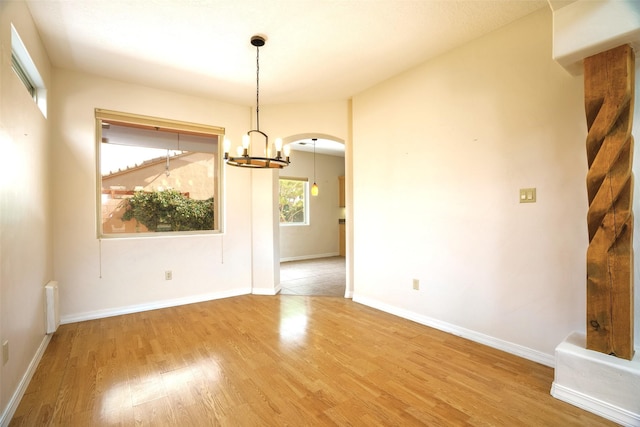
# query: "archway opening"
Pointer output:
{"type": "Point", "coordinates": [312, 254]}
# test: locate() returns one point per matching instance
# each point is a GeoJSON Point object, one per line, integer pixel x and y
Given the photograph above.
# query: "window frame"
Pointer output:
{"type": "Point", "coordinates": [306, 202]}
{"type": "Point", "coordinates": [156, 123]}
{"type": "Point", "coordinates": [26, 70]}
{"type": "Point", "coordinates": [24, 77]}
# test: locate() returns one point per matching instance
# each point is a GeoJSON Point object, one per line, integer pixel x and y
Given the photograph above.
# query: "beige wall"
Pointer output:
{"type": "Point", "coordinates": [296, 121]}
{"type": "Point", "coordinates": [25, 226]}
{"type": "Point", "coordinates": [436, 192]}
{"type": "Point", "coordinates": [105, 277]}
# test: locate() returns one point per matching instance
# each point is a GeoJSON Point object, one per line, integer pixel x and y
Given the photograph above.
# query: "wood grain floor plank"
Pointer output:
{"type": "Point", "coordinates": [283, 360]}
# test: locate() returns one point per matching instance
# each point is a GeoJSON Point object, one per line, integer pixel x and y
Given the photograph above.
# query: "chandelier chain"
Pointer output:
{"type": "Point", "coordinates": [257, 88]}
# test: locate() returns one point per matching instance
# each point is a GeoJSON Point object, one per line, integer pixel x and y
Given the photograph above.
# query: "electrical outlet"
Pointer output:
{"type": "Point", "coordinates": [5, 352]}
{"type": "Point", "coordinates": [416, 284]}
{"type": "Point", "coordinates": [168, 275]}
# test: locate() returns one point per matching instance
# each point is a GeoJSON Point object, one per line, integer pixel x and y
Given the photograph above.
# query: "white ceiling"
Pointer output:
{"type": "Point", "coordinates": [316, 50]}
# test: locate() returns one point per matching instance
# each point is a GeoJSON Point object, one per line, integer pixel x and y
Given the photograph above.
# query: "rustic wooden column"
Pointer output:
{"type": "Point", "coordinates": [609, 97]}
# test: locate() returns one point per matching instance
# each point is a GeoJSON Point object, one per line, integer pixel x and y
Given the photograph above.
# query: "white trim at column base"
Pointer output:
{"type": "Point", "coordinates": [596, 406]}
{"type": "Point", "coordinates": [605, 385]}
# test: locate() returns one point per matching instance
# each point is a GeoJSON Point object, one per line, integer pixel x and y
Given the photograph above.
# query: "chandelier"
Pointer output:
{"type": "Point", "coordinates": [314, 187]}
{"type": "Point", "coordinates": [244, 158]}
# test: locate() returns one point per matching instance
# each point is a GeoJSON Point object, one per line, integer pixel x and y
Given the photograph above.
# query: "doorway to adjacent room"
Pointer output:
{"type": "Point", "coordinates": [318, 276]}
{"type": "Point", "coordinates": [312, 248]}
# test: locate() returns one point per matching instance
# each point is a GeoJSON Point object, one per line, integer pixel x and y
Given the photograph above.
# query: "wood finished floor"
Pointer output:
{"type": "Point", "coordinates": [319, 276]}
{"type": "Point", "coordinates": [282, 361]}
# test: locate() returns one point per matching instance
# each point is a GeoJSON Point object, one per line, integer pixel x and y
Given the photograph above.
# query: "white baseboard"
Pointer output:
{"type": "Point", "coordinates": [100, 314]}
{"type": "Point", "coordinates": [266, 291]}
{"type": "Point", "coordinates": [509, 347]}
{"type": "Point", "coordinates": [596, 406]}
{"type": "Point", "coordinates": [303, 257]}
{"type": "Point", "coordinates": [24, 383]}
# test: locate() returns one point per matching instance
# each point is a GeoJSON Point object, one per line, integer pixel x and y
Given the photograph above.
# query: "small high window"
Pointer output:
{"type": "Point", "coordinates": [293, 201]}
{"type": "Point", "coordinates": [26, 70]}
{"type": "Point", "coordinates": [26, 80]}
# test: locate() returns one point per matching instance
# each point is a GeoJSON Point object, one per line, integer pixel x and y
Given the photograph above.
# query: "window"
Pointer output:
{"type": "Point", "coordinates": [22, 74]}
{"type": "Point", "coordinates": [156, 175]}
{"type": "Point", "coordinates": [293, 201]}
{"type": "Point", "coordinates": [26, 70]}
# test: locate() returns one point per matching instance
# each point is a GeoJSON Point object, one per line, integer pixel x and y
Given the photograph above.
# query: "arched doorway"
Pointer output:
{"type": "Point", "coordinates": [311, 259]}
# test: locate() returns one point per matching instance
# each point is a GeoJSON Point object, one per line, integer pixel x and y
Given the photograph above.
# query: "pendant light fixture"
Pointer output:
{"type": "Point", "coordinates": [314, 187]}
{"type": "Point", "coordinates": [244, 158]}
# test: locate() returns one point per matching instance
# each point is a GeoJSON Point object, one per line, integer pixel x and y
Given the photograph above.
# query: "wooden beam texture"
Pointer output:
{"type": "Point", "coordinates": [609, 89]}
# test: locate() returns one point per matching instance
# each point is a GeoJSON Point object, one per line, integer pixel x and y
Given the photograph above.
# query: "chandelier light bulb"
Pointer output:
{"type": "Point", "coordinates": [227, 146]}
{"type": "Point", "coordinates": [314, 189]}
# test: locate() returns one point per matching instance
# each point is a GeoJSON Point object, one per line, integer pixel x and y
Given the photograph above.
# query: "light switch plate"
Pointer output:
{"type": "Point", "coordinates": [527, 195]}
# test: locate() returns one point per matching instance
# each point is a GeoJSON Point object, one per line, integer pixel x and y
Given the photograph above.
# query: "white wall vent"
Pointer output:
{"type": "Point", "coordinates": [52, 314]}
